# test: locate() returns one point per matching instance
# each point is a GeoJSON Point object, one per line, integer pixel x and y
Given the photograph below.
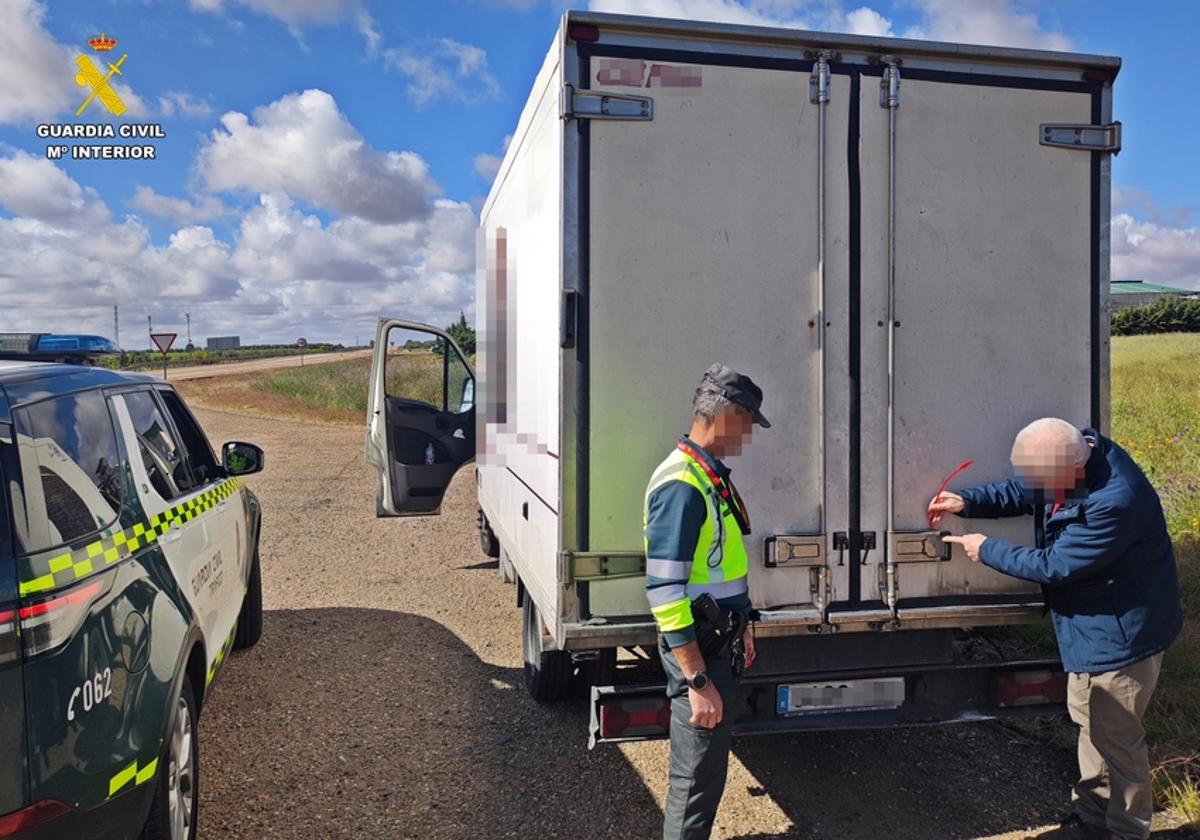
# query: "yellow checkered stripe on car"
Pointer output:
{"type": "Point", "coordinates": [73, 565]}
{"type": "Point", "coordinates": [132, 773]}
{"type": "Point", "coordinates": [221, 654]}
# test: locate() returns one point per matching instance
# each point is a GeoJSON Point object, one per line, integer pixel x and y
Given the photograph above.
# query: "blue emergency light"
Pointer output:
{"type": "Point", "coordinates": [46, 347]}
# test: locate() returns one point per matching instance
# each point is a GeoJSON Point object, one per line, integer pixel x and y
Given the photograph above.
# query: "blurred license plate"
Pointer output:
{"type": "Point", "coordinates": [841, 695]}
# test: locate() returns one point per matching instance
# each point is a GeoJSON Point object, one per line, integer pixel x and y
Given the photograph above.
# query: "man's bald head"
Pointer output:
{"type": "Point", "coordinates": [1051, 454]}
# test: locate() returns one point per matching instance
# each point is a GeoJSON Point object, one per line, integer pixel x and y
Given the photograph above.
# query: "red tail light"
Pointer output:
{"type": "Point", "coordinates": [10, 649]}
{"type": "Point", "coordinates": [635, 718]}
{"type": "Point", "coordinates": [35, 814]}
{"type": "Point", "coordinates": [1029, 688]}
{"type": "Point", "coordinates": [50, 622]}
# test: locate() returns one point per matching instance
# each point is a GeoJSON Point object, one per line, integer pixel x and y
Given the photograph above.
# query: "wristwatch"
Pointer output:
{"type": "Point", "coordinates": [698, 681]}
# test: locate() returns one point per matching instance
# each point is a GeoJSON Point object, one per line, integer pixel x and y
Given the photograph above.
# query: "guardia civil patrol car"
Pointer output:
{"type": "Point", "coordinates": [128, 570]}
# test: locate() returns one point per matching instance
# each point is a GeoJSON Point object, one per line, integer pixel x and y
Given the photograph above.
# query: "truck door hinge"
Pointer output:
{"type": "Point", "coordinates": [1093, 138]}
{"type": "Point", "coordinates": [889, 83]}
{"type": "Point", "coordinates": [592, 105]}
{"type": "Point", "coordinates": [818, 82]}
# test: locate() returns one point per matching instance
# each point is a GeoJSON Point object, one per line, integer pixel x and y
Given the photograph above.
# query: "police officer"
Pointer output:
{"type": "Point", "coordinates": [696, 584]}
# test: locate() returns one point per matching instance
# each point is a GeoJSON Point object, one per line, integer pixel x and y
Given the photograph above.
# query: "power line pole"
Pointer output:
{"type": "Point", "coordinates": [116, 327]}
{"type": "Point", "coordinates": [150, 331]}
{"type": "Point", "coordinates": [189, 327]}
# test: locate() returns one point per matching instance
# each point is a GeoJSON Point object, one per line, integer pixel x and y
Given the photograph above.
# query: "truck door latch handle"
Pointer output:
{"type": "Point", "coordinates": [841, 544]}
{"type": "Point", "coordinates": [868, 543]}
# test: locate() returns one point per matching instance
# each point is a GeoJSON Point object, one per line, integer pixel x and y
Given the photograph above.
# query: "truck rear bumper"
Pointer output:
{"type": "Point", "coordinates": [933, 694]}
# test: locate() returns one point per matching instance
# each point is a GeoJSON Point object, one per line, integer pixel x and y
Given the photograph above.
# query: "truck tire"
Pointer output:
{"type": "Point", "coordinates": [599, 671]}
{"type": "Point", "coordinates": [547, 672]}
{"type": "Point", "coordinates": [488, 543]}
{"type": "Point", "coordinates": [249, 626]}
{"type": "Point", "coordinates": [178, 782]}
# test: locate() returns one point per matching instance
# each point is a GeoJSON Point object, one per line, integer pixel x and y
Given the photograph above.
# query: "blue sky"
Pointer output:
{"type": "Point", "coordinates": [248, 220]}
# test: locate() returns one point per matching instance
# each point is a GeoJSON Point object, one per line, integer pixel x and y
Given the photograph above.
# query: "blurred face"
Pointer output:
{"type": "Point", "coordinates": [733, 427]}
{"type": "Point", "coordinates": [1048, 466]}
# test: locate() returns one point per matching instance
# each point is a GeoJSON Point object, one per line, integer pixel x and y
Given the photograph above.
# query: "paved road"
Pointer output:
{"type": "Point", "coordinates": [385, 701]}
{"type": "Point", "coordinates": [232, 368]}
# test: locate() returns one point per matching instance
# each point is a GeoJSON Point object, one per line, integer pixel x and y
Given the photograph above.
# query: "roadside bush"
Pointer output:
{"type": "Point", "coordinates": [1162, 316]}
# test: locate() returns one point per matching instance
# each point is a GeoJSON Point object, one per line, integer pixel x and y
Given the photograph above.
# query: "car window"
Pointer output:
{"type": "Point", "coordinates": [71, 470]}
{"type": "Point", "coordinates": [160, 451]}
{"type": "Point", "coordinates": [195, 445]}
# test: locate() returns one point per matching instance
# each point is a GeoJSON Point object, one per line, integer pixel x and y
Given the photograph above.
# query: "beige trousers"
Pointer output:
{"type": "Point", "coordinates": [1114, 790]}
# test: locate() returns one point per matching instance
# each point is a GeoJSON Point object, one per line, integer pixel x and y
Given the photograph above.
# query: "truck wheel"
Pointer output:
{"type": "Point", "coordinates": [599, 671]}
{"type": "Point", "coordinates": [249, 626]}
{"type": "Point", "coordinates": [488, 543]}
{"type": "Point", "coordinates": [547, 672]}
{"type": "Point", "coordinates": [173, 810]}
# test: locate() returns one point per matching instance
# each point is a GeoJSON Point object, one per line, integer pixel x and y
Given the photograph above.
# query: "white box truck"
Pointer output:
{"type": "Point", "coordinates": [906, 244]}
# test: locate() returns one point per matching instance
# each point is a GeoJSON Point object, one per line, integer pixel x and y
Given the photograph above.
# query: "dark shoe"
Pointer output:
{"type": "Point", "coordinates": [1073, 828]}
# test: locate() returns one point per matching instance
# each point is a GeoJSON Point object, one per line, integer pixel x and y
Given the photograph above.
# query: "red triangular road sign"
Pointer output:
{"type": "Point", "coordinates": [163, 341]}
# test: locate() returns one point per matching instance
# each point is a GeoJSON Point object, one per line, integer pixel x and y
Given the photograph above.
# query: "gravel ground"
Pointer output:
{"type": "Point", "coordinates": [385, 700]}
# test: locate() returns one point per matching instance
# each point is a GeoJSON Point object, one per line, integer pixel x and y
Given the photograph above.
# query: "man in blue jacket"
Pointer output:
{"type": "Point", "coordinates": [1108, 572]}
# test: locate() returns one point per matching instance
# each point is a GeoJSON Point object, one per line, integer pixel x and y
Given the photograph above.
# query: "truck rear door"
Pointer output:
{"type": "Point", "coordinates": [711, 238]}
{"type": "Point", "coordinates": [909, 283]}
{"type": "Point", "coordinates": [983, 318]}
{"type": "Point", "coordinates": [420, 416]}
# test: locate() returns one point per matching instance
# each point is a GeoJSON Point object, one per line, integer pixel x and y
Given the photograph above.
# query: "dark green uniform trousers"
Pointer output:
{"type": "Point", "coordinates": [699, 757]}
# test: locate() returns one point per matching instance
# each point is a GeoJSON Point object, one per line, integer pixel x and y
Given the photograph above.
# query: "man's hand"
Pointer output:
{"type": "Point", "coordinates": [942, 503]}
{"type": "Point", "coordinates": [971, 543]}
{"type": "Point", "coordinates": [748, 646]}
{"type": "Point", "coordinates": [707, 708]}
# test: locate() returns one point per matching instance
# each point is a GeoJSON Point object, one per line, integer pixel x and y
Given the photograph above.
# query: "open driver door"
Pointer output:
{"type": "Point", "coordinates": [420, 416]}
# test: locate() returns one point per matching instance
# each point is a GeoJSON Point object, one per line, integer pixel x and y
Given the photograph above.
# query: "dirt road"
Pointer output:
{"type": "Point", "coordinates": [233, 368]}
{"type": "Point", "coordinates": [385, 701]}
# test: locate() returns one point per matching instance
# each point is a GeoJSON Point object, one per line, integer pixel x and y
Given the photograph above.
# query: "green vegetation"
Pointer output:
{"type": "Point", "coordinates": [152, 359]}
{"type": "Point", "coordinates": [342, 386]}
{"type": "Point", "coordinates": [1168, 315]}
{"type": "Point", "coordinates": [334, 386]}
{"type": "Point", "coordinates": [1156, 417]}
{"type": "Point", "coordinates": [462, 334]}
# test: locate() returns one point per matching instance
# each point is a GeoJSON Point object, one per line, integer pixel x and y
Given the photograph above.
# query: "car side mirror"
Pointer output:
{"type": "Point", "coordinates": [241, 458]}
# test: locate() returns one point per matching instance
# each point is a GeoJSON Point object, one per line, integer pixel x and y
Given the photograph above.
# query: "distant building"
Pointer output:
{"type": "Point", "coordinates": [225, 342]}
{"type": "Point", "coordinates": [1137, 292]}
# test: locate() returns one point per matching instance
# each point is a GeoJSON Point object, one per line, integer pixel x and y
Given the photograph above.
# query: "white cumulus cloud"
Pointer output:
{"type": "Point", "coordinates": [487, 165]}
{"type": "Point", "coordinates": [38, 73]}
{"type": "Point", "coordinates": [299, 14]}
{"type": "Point", "coordinates": [184, 104]}
{"type": "Point", "coordinates": [303, 145]}
{"type": "Point", "coordinates": [282, 273]}
{"type": "Point", "coordinates": [996, 22]}
{"type": "Point", "coordinates": [445, 69]}
{"type": "Point", "coordinates": [179, 210]}
{"type": "Point", "coordinates": [1155, 252]}
{"type": "Point", "coordinates": [39, 78]}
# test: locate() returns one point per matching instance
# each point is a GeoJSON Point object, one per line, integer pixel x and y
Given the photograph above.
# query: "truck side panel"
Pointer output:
{"type": "Point", "coordinates": [517, 301]}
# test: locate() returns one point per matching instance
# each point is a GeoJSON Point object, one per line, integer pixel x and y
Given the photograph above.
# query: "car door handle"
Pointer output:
{"type": "Point", "coordinates": [171, 536]}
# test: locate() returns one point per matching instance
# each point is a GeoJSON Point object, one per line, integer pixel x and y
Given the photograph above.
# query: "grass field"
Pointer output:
{"type": "Point", "coordinates": [1155, 416]}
